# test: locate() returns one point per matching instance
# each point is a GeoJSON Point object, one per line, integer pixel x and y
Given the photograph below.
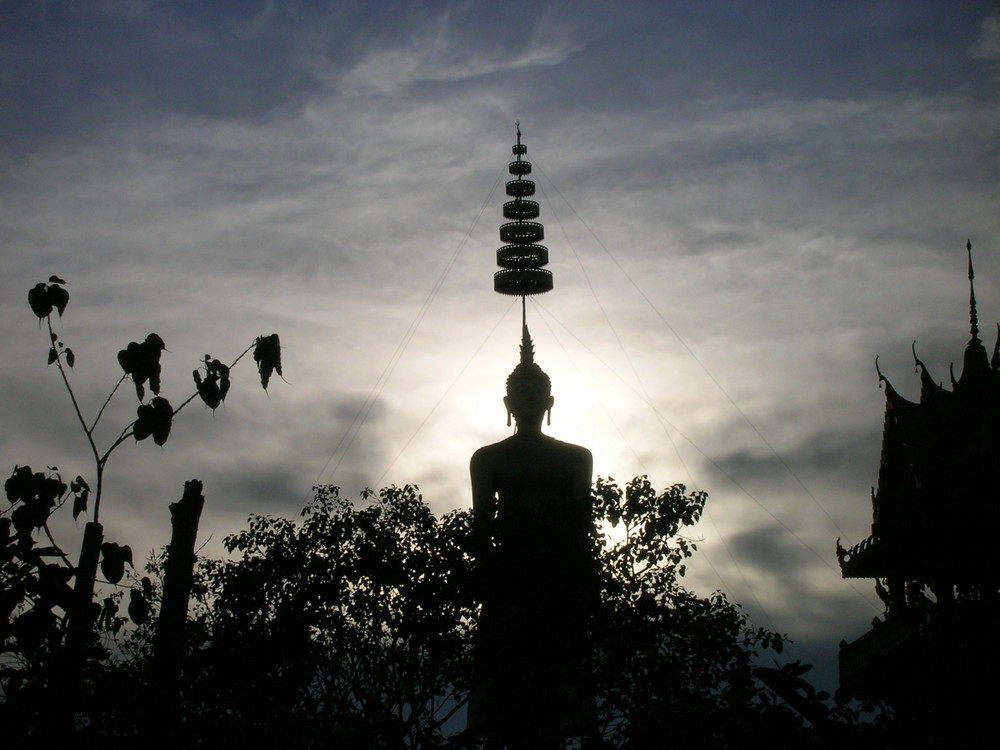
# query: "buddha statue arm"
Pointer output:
{"type": "Point", "coordinates": [581, 502]}
{"type": "Point", "coordinates": [583, 477]}
{"type": "Point", "coordinates": [484, 502]}
{"type": "Point", "coordinates": [581, 526]}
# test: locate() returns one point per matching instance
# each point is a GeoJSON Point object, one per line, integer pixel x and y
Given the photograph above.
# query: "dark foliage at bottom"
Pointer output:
{"type": "Point", "coordinates": [354, 627]}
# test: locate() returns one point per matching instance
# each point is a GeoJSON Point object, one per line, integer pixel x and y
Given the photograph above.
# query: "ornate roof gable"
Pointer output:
{"type": "Point", "coordinates": [939, 460]}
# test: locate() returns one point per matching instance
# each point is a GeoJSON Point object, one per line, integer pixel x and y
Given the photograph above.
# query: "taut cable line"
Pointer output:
{"type": "Point", "coordinates": [784, 464]}
{"type": "Point", "coordinates": [361, 416]}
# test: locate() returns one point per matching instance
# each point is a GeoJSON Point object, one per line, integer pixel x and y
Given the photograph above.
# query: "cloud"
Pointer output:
{"type": "Point", "coordinates": [439, 52]}
{"type": "Point", "coordinates": [987, 45]}
{"type": "Point", "coordinates": [828, 457]}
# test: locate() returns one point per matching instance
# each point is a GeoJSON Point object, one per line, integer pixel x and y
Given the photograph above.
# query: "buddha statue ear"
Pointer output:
{"type": "Point", "coordinates": [508, 417]}
{"type": "Point", "coordinates": [548, 416]}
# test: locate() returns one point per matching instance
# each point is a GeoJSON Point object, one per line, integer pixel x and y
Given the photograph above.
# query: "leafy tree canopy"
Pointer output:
{"type": "Point", "coordinates": [358, 622]}
{"type": "Point", "coordinates": [354, 626]}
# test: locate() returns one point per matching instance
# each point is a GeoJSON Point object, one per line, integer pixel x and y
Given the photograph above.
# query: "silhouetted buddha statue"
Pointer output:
{"type": "Point", "coordinates": [537, 575]}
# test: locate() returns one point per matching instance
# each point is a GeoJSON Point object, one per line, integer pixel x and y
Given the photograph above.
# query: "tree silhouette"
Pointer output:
{"type": "Point", "coordinates": [669, 663]}
{"type": "Point", "coordinates": [48, 641]}
{"type": "Point", "coordinates": [355, 625]}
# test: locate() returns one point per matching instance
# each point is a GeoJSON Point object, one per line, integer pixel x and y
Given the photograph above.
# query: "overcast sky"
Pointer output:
{"type": "Point", "coordinates": [744, 203]}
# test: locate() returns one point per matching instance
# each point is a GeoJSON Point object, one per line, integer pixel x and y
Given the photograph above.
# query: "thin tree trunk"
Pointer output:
{"type": "Point", "coordinates": [68, 680]}
{"type": "Point", "coordinates": [162, 725]}
{"type": "Point", "coordinates": [178, 575]}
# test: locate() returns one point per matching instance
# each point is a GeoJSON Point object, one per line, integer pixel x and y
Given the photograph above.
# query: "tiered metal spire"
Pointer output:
{"type": "Point", "coordinates": [522, 259]}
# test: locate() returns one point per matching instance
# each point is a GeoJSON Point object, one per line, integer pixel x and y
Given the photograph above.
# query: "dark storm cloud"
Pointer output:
{"type": "Point", "coordinates": [70, 67]}
{"type": "Point", "coordinates": [689, 52]}
{"type": "Point", "coordinates": [269, 487]}
{"type": "Point", "coordinates": [767, 550]}
{"type": "Point", "coordinates": [827, 456]}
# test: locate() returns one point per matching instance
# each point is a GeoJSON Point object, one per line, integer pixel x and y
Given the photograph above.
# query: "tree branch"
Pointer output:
{"type": "Point", "coordinates": [69, 388]}
{"type": "Point", "coordinates": [105, 404]}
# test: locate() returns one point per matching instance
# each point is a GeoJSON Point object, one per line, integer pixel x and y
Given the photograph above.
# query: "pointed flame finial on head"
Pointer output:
{"type": "Point", "coordinates": [528, 376]}
{"type": "Point", "coordinates": [528, 383]}
{"type": "Point", "coordinates": [527, 348]}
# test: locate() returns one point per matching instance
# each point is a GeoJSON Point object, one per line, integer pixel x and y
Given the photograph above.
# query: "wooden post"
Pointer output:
{"type": "Point", "coordinates": [178, 575]}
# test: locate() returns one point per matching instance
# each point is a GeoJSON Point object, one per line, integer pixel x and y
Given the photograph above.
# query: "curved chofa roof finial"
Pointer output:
{"type": "Point", "coordinates": [521, 259]}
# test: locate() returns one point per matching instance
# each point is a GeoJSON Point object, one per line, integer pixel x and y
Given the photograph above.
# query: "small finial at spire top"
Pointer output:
{"type": "Point", "coordinates": [973, 316]}
{"type": "Point", "coordinates": [517, 124]}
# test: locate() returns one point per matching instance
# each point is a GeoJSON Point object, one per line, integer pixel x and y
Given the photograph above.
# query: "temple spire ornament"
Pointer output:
{"type": "Point", "coordinates": [973, 315]}
{"type": "Point", "coordinates": [521, 259]}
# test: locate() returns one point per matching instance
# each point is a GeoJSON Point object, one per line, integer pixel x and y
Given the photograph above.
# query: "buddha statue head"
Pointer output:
{"type": "Point", "coordinates": [529, 389]}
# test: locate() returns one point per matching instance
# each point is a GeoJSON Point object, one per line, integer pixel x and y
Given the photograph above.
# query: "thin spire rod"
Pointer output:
{"type": "Point", "coordinates": [973, 316]}
{"type": "Point", "coordinates": [524, 313]}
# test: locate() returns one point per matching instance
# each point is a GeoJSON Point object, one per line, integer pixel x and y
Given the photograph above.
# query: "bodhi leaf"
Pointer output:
{"type": "Point", "coordinates": [154, 418]}
{"type": "Point", "coordinates": [267, 355]}
{"type": "Point", "coordinates": [152, 347]}
{"type": "Point", "coordinates": [59, 298]}
{"type": "Point", "coordinates": [20, 484]}
{"type": "Point", "coordinates": [142, 362]}
{"type": "Point", "coordinates": [81, 492]}
{"type": "Point", "coordinates": [80, 503]}
{"type": "Point", "coordinates": [138, 607]}
{"type": "Point", "coordinates": [164, 418]}
{"type": "Point", "coordinates": [208, 390]}
{"type": "Point", "coordinates": [38, 299]}
{"type": "Point", "coordinates": [214, 387]}
{"type": "Point", "coordinates": [35, 495]}
{"type": "Point", "coordinates": [44, 298]}
{"type": "Point", "coordinates": [113, 562]}
{"type": "Point", "coordinates": [221, 371]}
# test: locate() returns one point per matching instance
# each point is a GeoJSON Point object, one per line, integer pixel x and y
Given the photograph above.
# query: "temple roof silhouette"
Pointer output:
{"type": "Point", "coordinates": [937, 474]}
